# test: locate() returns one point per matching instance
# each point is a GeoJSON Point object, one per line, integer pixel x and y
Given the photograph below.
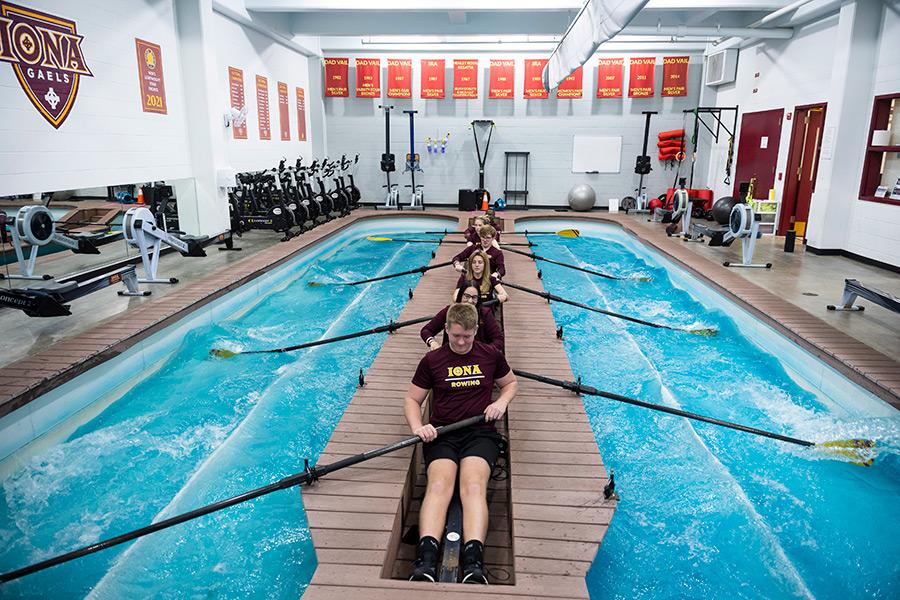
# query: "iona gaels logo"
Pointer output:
{"type": "Point", "coordinates": [45, 53]}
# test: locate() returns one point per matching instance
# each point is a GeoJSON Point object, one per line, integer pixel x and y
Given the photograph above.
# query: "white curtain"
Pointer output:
{"type": "Point", "coordinates": [598, 22]}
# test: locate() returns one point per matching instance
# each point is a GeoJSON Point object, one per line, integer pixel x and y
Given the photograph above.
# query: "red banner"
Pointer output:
{"type": "Point", "coordinates": [534, 85]}
{"type": "Point", "coordinates": [336, 85]}
{"type": "Point", "coordinates": [262, 107]}
{"type": "Point", "coordinates": [284, 112]}
{"type": "Point", "coordinates": [368, 78]}
{"type": "Point", "coordinates": [465, 78]}
{"type": "Point", "coordinates": [570, 87]}
{"type": "Point", "coordinates": [502, 78]}
{"type": "Point", "coordinates": [301, 115]}
{"type": "Point", "coordinates": [433, 79]}
{"type": "Point", "coordinates": [609, 77]}
{"type": "Point", "coordinates": [640, 77]}
{"type": "Point", "coordinates": [150, 69]}
{"type": "Point", "coordinates": [399, 78]}
{"type": "Point", "coordinates": [675, 75]}
{"type": "Point", "coordinates": [236, 92]}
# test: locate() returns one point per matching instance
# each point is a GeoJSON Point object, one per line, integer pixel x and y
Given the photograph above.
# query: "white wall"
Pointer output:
{"type": "Point", "coordinates": [543, 127]}
{"type": "Point", "coordinates": [874, 229]}
{"type": "Point", "coordinates": [801, 71]}
{"type": "Point", "coordinates": [107, 138]}
{"type": "Point", "coordinates": [256, 54]}
{"type": "Point", "coordinates": [792, 72]}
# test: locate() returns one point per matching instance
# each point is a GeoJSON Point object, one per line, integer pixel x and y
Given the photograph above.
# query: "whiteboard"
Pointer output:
{"type": "Point", "coordinates": [596, 154]}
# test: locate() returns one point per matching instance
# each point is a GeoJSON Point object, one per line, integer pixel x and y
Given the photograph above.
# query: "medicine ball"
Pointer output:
{"type": "Point", "coordinates": [721, 210]}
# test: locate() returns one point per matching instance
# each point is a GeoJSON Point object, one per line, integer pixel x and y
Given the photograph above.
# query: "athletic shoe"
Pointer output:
{"type": "Point", "coordinates": [425, 565]}
{"type": "Point", "coordinates": [473, 563]}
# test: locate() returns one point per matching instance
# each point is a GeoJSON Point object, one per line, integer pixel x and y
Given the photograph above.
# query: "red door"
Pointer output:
{"type": "Point", "coordinates": [757, 153]}
{"type": "Point", "coordinates": [802, 167]}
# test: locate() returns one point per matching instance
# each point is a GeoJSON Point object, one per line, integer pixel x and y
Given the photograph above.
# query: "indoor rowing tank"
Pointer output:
{"type": "Point", "coordinates": [193, 429]}
{"type": "Point", "coordinates": [699, 500]}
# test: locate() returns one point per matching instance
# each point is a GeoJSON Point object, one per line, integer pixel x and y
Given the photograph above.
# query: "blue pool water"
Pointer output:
{"type": "Point", "coordinates": [708, 512]}
{"type": "Point", "coordinates": [199, 430]}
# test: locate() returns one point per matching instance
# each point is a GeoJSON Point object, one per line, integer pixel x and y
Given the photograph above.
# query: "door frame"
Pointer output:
{"type": "Point", "coordinates": [793, 163]}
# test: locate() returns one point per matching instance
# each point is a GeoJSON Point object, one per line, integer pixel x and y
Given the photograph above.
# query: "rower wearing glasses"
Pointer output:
{"type": "Point", "coordinates": [489, 331]}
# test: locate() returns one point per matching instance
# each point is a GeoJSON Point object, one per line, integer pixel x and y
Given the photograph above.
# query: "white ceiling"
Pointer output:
{"type": "Point", "coordinates": [495, 24]}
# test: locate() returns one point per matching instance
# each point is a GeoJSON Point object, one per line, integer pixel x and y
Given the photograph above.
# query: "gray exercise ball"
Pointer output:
{"type": "Point", "coordinates": [582, 197]}
{"type": "Point", "coordinates": [721, 210]}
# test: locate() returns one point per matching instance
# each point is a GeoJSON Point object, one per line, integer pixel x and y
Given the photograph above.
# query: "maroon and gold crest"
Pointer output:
{"type": "Point", "coordinates": [45, 53]}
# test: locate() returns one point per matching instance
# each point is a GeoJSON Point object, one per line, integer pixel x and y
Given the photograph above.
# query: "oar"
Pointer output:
{"type": "Point", "coordinates": [853, 449]}
{"type": "Point", "coordinates": [566, 233]}
{"type": "Point", "coordinates": [706, 332]}
{"type": "Point", "coordinates": [410, 272]}
{"type": "Point", "coordinates": [309, 475]}
{"type": "Point", "coordinates": [534, 256]}
{"type": "Point", "coordinates": [375, 238]}
{"type": "Point", "coordinates": [389, 328]}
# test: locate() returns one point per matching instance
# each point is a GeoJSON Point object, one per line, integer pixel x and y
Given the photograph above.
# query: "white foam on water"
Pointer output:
{"type": "Point", "coordinates": [766, 532]}
{"type": "Point", "coordinates": [102, 588]}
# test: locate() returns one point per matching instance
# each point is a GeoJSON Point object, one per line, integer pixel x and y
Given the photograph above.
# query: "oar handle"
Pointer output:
{"type": "Point", "coordinates": [309, 475]}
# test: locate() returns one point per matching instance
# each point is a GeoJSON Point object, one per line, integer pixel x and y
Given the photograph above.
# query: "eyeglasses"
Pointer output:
{"type": "Point", "coordinates": [473, 298]}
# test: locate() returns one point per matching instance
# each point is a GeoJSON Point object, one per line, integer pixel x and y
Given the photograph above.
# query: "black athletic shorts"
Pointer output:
{"type": "Point", "coordinates": [457, 445]}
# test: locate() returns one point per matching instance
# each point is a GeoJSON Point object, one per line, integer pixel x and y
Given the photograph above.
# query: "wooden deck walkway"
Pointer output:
{"type": "Point", "coordinates": [558, 515]}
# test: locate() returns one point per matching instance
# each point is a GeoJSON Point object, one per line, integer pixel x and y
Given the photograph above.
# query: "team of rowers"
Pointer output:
{"type": "Point", "coordinates": [461, 371]}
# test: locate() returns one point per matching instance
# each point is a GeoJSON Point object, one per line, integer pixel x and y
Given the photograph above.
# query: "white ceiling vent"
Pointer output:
{"type": "Point", "coordinates": [721, 67]}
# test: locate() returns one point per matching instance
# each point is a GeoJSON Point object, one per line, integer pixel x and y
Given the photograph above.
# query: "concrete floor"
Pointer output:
{"type": "Point", "coordinates": [23, 336]}
{"type": "Point", "coordinates": [812, 282]}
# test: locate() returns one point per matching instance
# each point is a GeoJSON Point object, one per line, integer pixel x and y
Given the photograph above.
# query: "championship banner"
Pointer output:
{"type": "Point", "coordinates": [502, 78]}
{"type": "Point", "coordinates": [534, 86]}
{"type": "Point", "coordinates": [609, 77]}
{"type": "Point", "coordinates": [153, 88]}
{"type": "Point", "coordinates": [570, 87]}
{"type": "Point", "coordinates": [301, 114]}
{"type": "Point", "coordinates": [640, 77]}
{"type": "Point", "coordinates": [236, 92]}
{"type": "Point", "coordinates": [399, 78]}
{"type": "Point", "coordinates": [44, 52]}
{"type": "Point", "coordinates": [465, 78]}
{"type": "Point", "coordinates": [368, 78]}
{"type": "Point", "coordinates": [336, 70]}
{"type": "Point", "coordinates": [432, 79]}
{"type": "Point", "coordinates": [675, 75]}
{"type": "Point", "coordinates": [262, 107]}
{"type": "Point", "coordinates": [284, 112]}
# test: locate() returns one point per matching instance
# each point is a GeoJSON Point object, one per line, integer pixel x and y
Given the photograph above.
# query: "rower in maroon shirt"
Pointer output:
{"type": "Point", "coordinates": [461, 378]}
{"type": "Point", "coordinates": [478, 271]}
{"type": "Point", "coordinates": [489, 331]}
{"type": "Point", "coordinates": [487, 233]}
{"type": "Point", "coordinates": [472, 234]}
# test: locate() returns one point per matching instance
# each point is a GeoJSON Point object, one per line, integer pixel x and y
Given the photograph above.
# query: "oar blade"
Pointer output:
{"type": "Point", "coordinates": [859, 452]}
{"type": "Point", "coordinates": [222, 353]}
{"type": "Point", "coordinates": [642, 278]}
{"type": "Point", "coordinates": [704, 331]}
{"type": "Point", "coordinates": [375, 238]}
{"type": "Point", "coordinates": [569, 233]}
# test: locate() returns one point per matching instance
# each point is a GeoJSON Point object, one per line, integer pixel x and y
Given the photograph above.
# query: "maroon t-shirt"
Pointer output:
{"type": "Point", "coordinates": [496, 256]}
{"type": "Point", "coordinates": [461, 384]}
{"type": "Point", "coordinates": [488, 332]}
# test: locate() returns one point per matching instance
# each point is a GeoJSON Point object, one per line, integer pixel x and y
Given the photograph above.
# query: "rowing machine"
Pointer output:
{"type": "Point", "coordinates": [52, 300]}
{"type": "Point", "coordinates": [34, 224]}
{"type": "Point", "coordinates": [743, 224]}
{"type": "Point", "coordinates": [141, 232]}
